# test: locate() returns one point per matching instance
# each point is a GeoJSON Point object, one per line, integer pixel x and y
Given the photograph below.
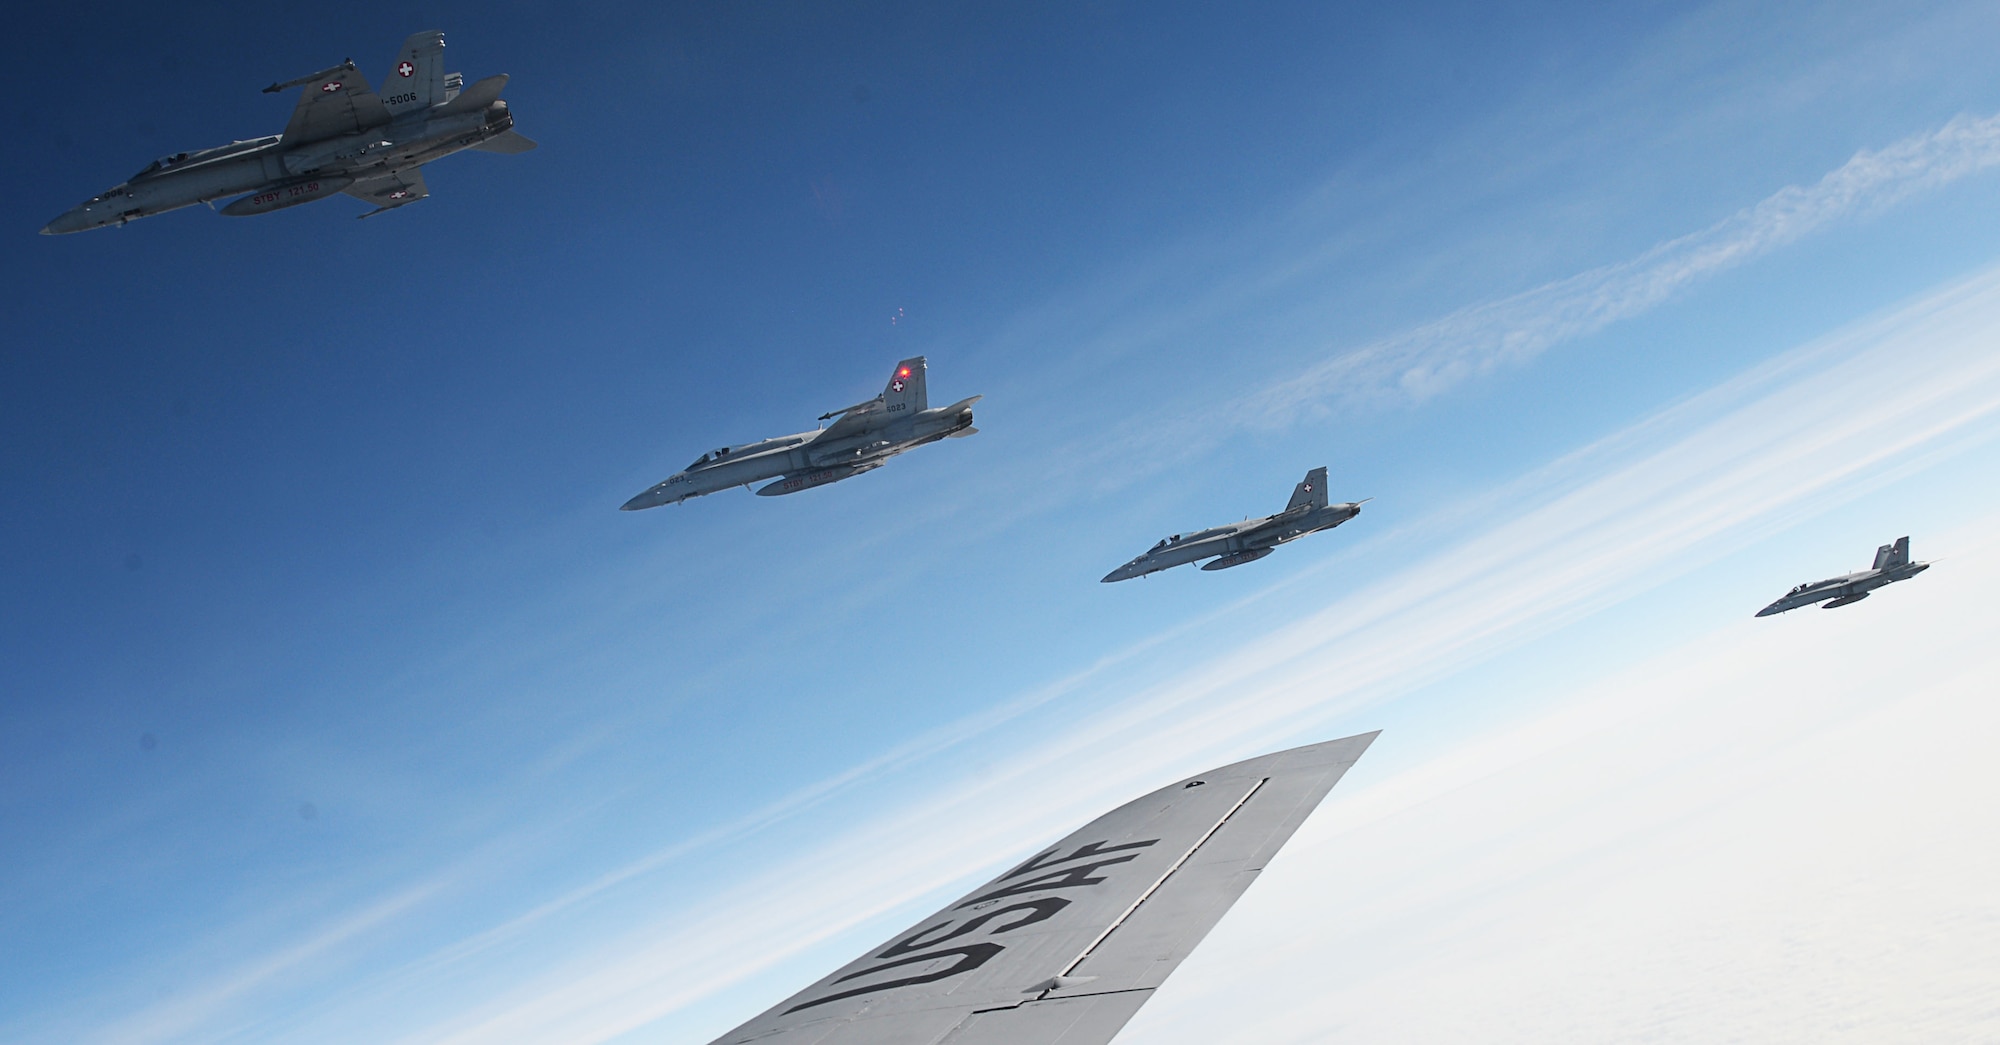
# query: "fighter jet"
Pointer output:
{"type": "Point", "coordinates": [1892, 564]}
{"type": "Point", "coordinates": [863, 438]}
{"type": "Point", "coordinates": [1064, 948]}
{"type": "Point", "coordinates": [343, 138]}
{"type": "Point", "coordinates": [1249, 540]}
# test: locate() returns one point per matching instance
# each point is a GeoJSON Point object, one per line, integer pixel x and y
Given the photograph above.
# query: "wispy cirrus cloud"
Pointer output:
{"type": "Point", "coordinates": [1425, 361]}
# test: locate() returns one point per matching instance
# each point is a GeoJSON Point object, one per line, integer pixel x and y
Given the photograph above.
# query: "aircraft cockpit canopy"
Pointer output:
{"type": "Point", "coordinates": [185, 159]}
{"type": "Point", "coordinates": [709, 458]}
{"type": "Point", "coordinates": [162, 164]}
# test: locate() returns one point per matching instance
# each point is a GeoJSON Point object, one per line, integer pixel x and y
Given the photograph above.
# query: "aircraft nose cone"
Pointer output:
{"type": "Point", "coordinates": [648, 499]}
{"type": "Point", "coordinates": [76, 219]}
{"type": "Point", "coordinates": [656, 496]}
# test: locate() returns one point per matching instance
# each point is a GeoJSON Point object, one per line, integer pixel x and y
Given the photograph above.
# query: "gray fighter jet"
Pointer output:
{"type": "Point", "coordinates": [1892, 564]}
{"type": "Point", "coordinates": [863, 438]}
{"type": "Point", "coordinates": [1063, 949]}
{"type": "Point", "coordinates": [343, 138]}
{"type": "Point", "coordinates": [1249, 540]}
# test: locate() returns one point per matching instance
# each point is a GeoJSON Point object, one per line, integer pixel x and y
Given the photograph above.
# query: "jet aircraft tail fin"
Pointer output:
{"type": "Point", "coordinates": [905, 391]}
{"type": "Point", "coordinates": [481, 94]}
{"type": "Point", "coordinates": [1310, 493]}
{"type": "Point", "coordinates": [1890, 556]}
{"type": "Point", "coordinates": [417, 79]}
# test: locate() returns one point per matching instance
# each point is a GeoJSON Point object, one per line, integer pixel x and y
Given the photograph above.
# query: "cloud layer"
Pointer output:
{"type": "Point", "coordinates": [1763, 835]}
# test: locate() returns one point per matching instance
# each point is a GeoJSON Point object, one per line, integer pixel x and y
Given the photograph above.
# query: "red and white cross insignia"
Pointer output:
{"type": "Point", "coordinates": [1308, 487]}
{"type": "Point", "coordinates": [405, 69]}
{"type": "Point", "coordinates": [896, 385]}
{"type": "Point", "coordinates": [330, 86]}
{"type": "Point", "coordinates": [399, 194]}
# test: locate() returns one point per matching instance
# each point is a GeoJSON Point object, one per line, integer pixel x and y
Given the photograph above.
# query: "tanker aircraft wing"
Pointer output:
{"type": "Point", "coordinates": [1064, 948]}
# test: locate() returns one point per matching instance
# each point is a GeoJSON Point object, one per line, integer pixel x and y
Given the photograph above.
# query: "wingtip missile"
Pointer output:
{"type": "Point", "coordinates": [346, 66]}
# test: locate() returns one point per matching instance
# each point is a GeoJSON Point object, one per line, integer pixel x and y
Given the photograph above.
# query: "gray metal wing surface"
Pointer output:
{"type": "Point", "coordinates": [389, 191]}
{"type": "Point", "coordinates": [1063, 949]}
{"type": "Point", "coordinates": [336, 102]}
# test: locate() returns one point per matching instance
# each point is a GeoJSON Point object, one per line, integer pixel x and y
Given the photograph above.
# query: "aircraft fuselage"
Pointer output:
{"type": "Point", "coordinates": [806, 459]}
{"type": "Point", "coordinates": [277, 176]}
{"type": "Point", "coordinates": [1843, 590]}
{"type": "Point", "coordinates": [1235, 543]}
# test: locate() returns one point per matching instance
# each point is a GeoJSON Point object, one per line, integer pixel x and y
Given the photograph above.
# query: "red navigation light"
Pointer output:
{"type": "Point", "coordinates": [905, 372]}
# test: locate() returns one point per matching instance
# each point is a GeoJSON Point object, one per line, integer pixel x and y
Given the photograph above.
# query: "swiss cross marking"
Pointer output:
{"type": "Point", "coordinates": [896, 385]}
{"type": "Point", "coordinates": [405, 69]}
{"type": "Point", "coordinates": [330, 86]}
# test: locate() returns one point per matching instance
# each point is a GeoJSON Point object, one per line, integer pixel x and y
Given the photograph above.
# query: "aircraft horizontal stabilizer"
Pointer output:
{"type": "Point", "coordinates": [512, 143]}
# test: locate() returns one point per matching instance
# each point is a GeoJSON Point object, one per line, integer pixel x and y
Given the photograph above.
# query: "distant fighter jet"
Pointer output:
{"type": "Point", "coordinates": [1892, 564]}
{"type": "Point", "coordinates": [865, 436]}
{"type": "Point", "coordinates": [1063, 949]}
{"type": "Point", "coordinates": [343, 137]}
{"type": "Point", "coordinates": [1247, 541]}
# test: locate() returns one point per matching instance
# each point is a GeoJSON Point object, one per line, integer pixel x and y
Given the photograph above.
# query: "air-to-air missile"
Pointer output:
{"type": "Point", "coordinates": [863, 438]}
{"type": "Point", "coordinates": [343, 138]}
{"type": "Point", "coordinates": [1892, 564]}
{"type": "Point", "coordinates": [1249, 540]}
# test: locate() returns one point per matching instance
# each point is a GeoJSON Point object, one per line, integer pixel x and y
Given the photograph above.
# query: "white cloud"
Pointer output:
{"type": "Point", "coordinates": [200, 1011]}
{"type": "Point", "coordinates": [1429, 359]}
{"type": "Point", "coordinates": [1775, 833]}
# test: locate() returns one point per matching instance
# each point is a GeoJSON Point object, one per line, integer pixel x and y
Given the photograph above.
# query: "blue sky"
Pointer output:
{"type": "Point", "coordinates": [340, 701]}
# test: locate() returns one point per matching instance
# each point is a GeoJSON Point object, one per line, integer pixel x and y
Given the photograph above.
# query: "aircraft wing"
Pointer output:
{"type": "Point", "coordinates": [389, 191]}
{"type": "Point", "coordinates": [903, 396]}
{"type": "Point", "coordinates": [1063, 949]}
{"type": "Point", "coordinates": [853, 421]}
{"type": "Point", "coordinates": [334, 103]}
